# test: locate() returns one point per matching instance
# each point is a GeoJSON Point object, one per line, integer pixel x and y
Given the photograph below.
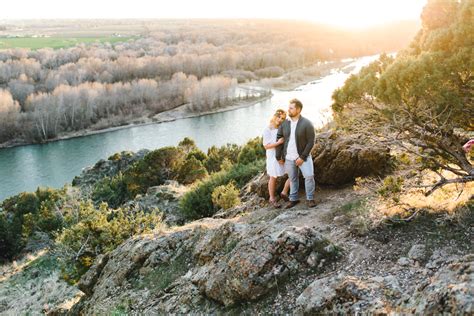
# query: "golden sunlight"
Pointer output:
{"type": "Point", "coordinates": [342, 13]}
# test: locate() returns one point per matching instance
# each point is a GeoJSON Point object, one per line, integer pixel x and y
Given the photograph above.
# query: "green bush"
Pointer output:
{"type": "Point", "coordinates": [97, 231]}
{"type": "Point", "coordinates": [38, 210]}
{"type": "Point", "coordinates": [252, 151]}
{"type": "Point", "coordinates": [215, 156]}
{"type": "Point", "coordinates": [191, 170]}
{"type": "Point", "coordinates": [156, 167]}
{"type": "Point", "coordinates": [10, 243]}
{"type": "Point", "coordinates": [198, 154]}
{"type": "Point", "coordinates": [112, 190]}
{"type": "Point", "coordinates": [187, 145]}
{"type": "Point", "coordinates": [197, 202]}
{"type": "Point", "coordinates": [225, 196]}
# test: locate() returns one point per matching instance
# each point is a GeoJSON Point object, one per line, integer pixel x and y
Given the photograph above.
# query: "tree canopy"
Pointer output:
{"type": "Point", "coordinates": [422, 99]}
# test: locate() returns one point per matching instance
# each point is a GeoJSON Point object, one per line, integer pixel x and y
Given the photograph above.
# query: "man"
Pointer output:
{"type": "Point", "coordinates": [295, 154]}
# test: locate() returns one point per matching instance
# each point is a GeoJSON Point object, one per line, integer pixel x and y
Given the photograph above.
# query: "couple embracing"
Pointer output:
{"type": "Point", "coordinates": [288, 144]}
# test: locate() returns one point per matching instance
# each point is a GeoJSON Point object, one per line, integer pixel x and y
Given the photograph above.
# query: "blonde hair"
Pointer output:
{"type": "Point", "coordinates": [276, 115]}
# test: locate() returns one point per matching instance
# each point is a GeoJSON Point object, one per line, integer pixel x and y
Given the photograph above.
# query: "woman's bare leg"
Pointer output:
{"type": "Point", "coordinates": [271, 188]}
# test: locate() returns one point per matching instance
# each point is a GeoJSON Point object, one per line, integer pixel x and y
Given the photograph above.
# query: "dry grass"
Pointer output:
{"type": "Point", "coordinates": [445, 200]}
{"type": "Point", "coordinates": [33, 286]}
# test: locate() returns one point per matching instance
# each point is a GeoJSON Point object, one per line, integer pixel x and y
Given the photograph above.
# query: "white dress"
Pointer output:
{"type": "Point", "coordinates": [274, 169]}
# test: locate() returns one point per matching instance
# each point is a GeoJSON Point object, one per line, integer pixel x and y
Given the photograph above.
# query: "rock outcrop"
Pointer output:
{"type": "Point", "coordinates": [164, 198]}
{"type": "Point", "coordinates": [449, 291]}
{"type": "Point", "coordinates": [212, 263]}
{"type": "Point", "coordinates": [339, 159]}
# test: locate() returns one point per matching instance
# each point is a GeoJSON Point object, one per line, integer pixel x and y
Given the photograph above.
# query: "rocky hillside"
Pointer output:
{"type": "Point", "coordinates": [339, 257]}
{"type": "Point", "coordinates": [255, 259]}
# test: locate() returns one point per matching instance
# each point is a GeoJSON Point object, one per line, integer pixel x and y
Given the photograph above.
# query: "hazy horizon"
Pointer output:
{"type": "Point", "coordinates": [339, 13]}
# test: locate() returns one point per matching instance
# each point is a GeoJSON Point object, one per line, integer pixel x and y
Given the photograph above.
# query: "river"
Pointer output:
{"type": "Point", "coordinates": [56, 163]}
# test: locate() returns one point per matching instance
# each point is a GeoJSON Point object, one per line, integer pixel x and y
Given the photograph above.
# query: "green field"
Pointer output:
{"type": "Point", "coordinates": [54, 42]}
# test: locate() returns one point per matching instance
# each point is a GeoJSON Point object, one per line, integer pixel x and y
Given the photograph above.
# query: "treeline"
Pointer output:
{"type": "Point", "coordinates": [56, 91]}
{"type": "Point", "coordinates": [68, 108]}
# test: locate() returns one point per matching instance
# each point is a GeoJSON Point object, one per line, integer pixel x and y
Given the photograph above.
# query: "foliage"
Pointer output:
{"type": "Point", "coordinates": [191, 170]}
{"type": "Point", "coordinates": [112, 190]}
{"type": "Point", "coordinates": [225, 196]}
{"type": "Point", "coordinates": [156, 167]}
{"type": "Point", "coordinates": [197, 202]}
{"type": "Point", "coordinates": [252, 151]}
{"type": "Point", "coordinates": [418, 100]}
{"type": "Point", "coordinates": [184, 163]}
{"type": "Point", "coordinates": [391, 187]}
{"type": "Point", "coordinates": [198, 154]}
{"type": "Point", "coordinates": [215, 156]}
{"type": "Point", "coordinates": [96, 231]}
{"type": "Point", "coordinates": [187, 145]}
{"type": "Point", "coordinates": [25, 213]}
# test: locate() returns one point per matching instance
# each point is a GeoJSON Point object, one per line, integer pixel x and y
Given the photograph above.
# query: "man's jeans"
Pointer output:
{"type": "Point", "coordinates": [307, 169]}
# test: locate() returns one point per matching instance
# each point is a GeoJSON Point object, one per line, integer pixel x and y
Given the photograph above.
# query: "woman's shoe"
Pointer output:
{"type": "Point", "coordinates": [274, 203]}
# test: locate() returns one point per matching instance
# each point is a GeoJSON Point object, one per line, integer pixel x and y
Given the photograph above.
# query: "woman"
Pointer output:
{"type": "Point", "coordinates": [274, 169]}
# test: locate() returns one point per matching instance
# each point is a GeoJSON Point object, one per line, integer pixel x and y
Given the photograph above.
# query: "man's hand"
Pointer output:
{"type": "Point", "coordinates": [299, 162]}
{"type": "Point", "coordinates": [281, 162]}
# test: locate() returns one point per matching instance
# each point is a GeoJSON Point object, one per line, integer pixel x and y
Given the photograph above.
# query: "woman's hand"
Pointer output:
{"type": "Point", "coordinates": [280, 141]}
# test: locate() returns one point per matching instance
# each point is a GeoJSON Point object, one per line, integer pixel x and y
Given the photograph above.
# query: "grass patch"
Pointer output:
{"type": "Point", "coordinates": [47, 262]}
{"type": "Point", "coordinates": [55, 42]}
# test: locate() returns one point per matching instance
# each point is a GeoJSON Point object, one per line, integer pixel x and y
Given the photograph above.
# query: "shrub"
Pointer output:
{"type": "Point", "coordinates": [252, 151]}
{"type": "Point", "coordinates": [198, 154]}
{"type": "Point", "coordinates": [187, 145]}
{"type": "Point", "coordinates": [10, 243]}
{"type": "Point", "coordinates": [270, 72]}
{"type": "Point", "coordinates": [97, 231]}
{"type": "Point", "coordinates": [191, 170]}
{"type": "Point", "coordinates": [156, 167]}
{"type": "Point", "coordinates": [215, 156]}
{"type": "Point", "coordinates": [391, 187]}
{"type": "Point", "coordinates": [225, 196]}
{"type": "Point", "coordinates": [112, 190]}
{"type": "Point", "coordinates": [197, 202]}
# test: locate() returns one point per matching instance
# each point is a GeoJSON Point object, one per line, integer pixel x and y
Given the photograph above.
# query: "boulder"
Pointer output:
{"type": "Point", "coordinates": [258, 262]}
{"type": "Point", "coordinates": [164, 198]}
{"type": "Point", "coordinates": [259, 185]}
{"type": "Point", "coordinates": [339, 159]}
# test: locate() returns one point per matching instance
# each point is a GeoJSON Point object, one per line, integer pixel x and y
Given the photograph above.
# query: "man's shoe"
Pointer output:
{"type": "Point", "coordinates": [311, 203]}
{"type": "Point", "coordinates": [291, 204]}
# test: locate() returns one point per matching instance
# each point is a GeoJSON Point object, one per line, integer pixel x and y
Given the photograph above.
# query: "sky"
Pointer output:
{"type": "Point", "coordinates": [343, 13]}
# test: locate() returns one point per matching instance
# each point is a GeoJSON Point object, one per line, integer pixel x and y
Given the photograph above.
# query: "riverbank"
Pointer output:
{"type": "Point", "coordinates": [181, 112]}
{"type": "Point", "coordinates": [302, 76]}
{"type": "Point", "coordinates": [288, 82]}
